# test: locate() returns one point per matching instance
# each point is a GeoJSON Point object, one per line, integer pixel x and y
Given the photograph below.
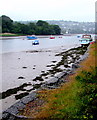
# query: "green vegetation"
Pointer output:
{"type": "Point", "coordinates": [88, 95]}
{"type": "Point", "coordinates": [78, 101]}
{"type": "Point", "coordinates": [38, 28]}
{"type": "Point", "coordinates": [7, 24]}
{"type": "Point", "coordinates": [9, 35]}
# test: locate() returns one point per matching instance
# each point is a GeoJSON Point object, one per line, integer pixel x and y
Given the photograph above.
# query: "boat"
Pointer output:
{"type": "Point", "coordinates": [35, 42]}
{"type": "Point", "coordinates": [32, 37]}
{"type": "Point", "coordinates": [85, 40]}
{"type": "Point", "coordinates": [78, 36]}
{"type": "Point", "coordinates": [52, 37]}
{"type": "Point", "coordinates": [60, 36]}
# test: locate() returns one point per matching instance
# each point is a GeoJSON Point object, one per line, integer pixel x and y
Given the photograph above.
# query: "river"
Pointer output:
{"type": "Point", "coordinates": [16, 44]}
{"type": "Point", "coordinates": [22, 62]}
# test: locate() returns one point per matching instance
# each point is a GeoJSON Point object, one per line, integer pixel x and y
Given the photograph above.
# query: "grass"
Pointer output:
{"type": "Point", "coordinates": [76, 99]}
{"type": "Point", "coordinates": [9, 35]}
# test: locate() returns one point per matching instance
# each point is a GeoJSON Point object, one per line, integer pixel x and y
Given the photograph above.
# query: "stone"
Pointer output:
{"type": "Point", "coordinates": [5, 115]}
{"type": "Point", "coordinates": [21, 117]}
{"type": "Point", "coordinates": [28, 98]}
{"type": "Point", "coordinates": [12, 110]}
{"type": "Point", "coordinates": [24, 67]}
{"type": "Point", "coordinates": [84, 56]}
{"type": "Point", "coordinates": [59, 76]}
{"type": "Point", "coordinates": [12, 117]}
{"type": "Point", "coordinates": [52, 87]}
{"type": "Point", "coordinates": [52, 81]}
{"type": "Point", "coordinates": [19, 105]}
{"type": "Point", "coordinates": [74, 66]}
{"type": "Point", "coordinates": [21, 77]}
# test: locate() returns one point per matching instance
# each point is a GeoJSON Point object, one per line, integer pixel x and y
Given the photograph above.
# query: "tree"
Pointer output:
{"type": "Point", "coordinates": [44, 28]}
{"type": "Point", "coordinates": [32, 28]}
{"type": "Point", "coordinates": [21, 28]}
{"type": "Point", "coordinates": [40, 28]}
{"type": "Point", "coordinates": [42, 23]}
{"type": "Point", "coordinates": [56, 29]}
{"type": "Point", "coordinates": [7, 24]}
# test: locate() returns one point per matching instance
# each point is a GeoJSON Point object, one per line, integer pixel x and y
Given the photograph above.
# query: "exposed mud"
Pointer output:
{"type": "Point", "coordinates": [69, 62]}
{"type": "Point", "coordinates": [68, 59]}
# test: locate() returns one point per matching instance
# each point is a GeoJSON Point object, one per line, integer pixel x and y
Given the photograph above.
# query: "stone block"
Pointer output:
{"type": "Point", "coordinates": [5, 115]}
{"type": "Point", "coordinates": [28, 98]}
{"type": "Point", "coordinates": [52, 81]}
{"type": "Point", "coordinates": [19, 105]}
{"type": "Point", "coordinates": [12, 110]}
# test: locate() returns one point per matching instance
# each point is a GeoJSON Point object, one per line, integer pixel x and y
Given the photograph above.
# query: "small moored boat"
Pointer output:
{"type": "Point", "coordinates": [60, 36]}
{"type": "Point", "coordinates": [52, 37]}
{"type": "Point", "coordinates": [78, 36]}
{"type": "Point", "coordinates": [85, 40]}
{"type": "Point", "coordinates": [35, 42]}
{"type": "Point", "coordinates": [32, 37]}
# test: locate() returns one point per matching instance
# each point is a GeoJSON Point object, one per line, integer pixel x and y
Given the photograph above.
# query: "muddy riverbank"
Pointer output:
{"type": "Point", "coordinates": [21, 69]}
{"type": "Point", "coordinates": [51, 79]}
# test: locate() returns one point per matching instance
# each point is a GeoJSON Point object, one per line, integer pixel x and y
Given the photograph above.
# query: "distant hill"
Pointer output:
{"type": "Point", "coordinates": [75, 27]}
{"type": "Point", "coordinates": [72, 27]}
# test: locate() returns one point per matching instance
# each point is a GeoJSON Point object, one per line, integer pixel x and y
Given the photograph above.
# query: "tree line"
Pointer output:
{"type": "Point", "coordinates": [39, 28]}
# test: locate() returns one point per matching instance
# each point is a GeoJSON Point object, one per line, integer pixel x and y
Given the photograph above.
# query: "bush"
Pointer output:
{"type": "Point", "coordinates": [88, 97]}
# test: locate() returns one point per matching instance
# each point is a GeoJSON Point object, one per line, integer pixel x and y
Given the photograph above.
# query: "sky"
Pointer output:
{"type": "Point", "coordinates": [26, 10]}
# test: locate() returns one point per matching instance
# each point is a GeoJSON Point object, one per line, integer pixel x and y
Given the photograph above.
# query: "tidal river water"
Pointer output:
{"type": "Point", "coordinates": [23, 62]}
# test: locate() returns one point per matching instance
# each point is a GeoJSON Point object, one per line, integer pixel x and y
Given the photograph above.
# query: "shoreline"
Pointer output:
{"type": "Point", "coordinates": [16, 35]}
{"type": "Point", "coordinates": [23, 67]}
{"type": "Point", "coordinates": [58, 79]}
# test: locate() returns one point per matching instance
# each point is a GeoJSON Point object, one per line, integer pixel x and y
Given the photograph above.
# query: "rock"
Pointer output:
{"type": "Point", "coordinates": [52, 81]}
{"type": "Point", "coordinates": [59, 76]}
{"type": "Point", "coordinates": [12, 117]}
{"type": "Point", "coordinates": [51, 84]}
{"type": "Point", "coordinates": [28, 98]}
{"type": "Point", "coordinates": [5, 115]}
{"type": "Point", "coordinates": [19, 105]}
{"type": "Point", "coordinates": [21, 77]}
{"type": "Point", "coordinates": [66, 65]}
{"type": "Point", "coordinates": [74, 66]}
{"type": "Point", "coordinates": [84, 56]}
{"type": "Point", "coordinates": [52, 87]}
{"type": "Point", "coordinates": [12, 110]}
{"type": "Point", "coordinates": [20, 117]}
{"type": "Point", "coordinates": [24, 67]}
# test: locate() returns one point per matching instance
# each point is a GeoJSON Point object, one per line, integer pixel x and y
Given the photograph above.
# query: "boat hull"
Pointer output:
{"type": "Point", "coordinates": [31, 37]}
{"type": "Point", "coordinates": [52, 37]}
{"type": "Point", "coordinates": [86, 40]}
{"type": "Point", "coordinates": [35, 42]}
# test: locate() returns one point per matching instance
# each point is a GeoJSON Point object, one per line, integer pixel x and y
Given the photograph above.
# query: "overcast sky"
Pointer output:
{"type": "Point", "coordinates": [74, 10]}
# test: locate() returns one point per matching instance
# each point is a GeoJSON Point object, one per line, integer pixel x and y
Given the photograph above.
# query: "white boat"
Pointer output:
{"type": "Point", "coordinates": [86, 40]}
{"type": "Point", "coordinates": [35, 42]}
